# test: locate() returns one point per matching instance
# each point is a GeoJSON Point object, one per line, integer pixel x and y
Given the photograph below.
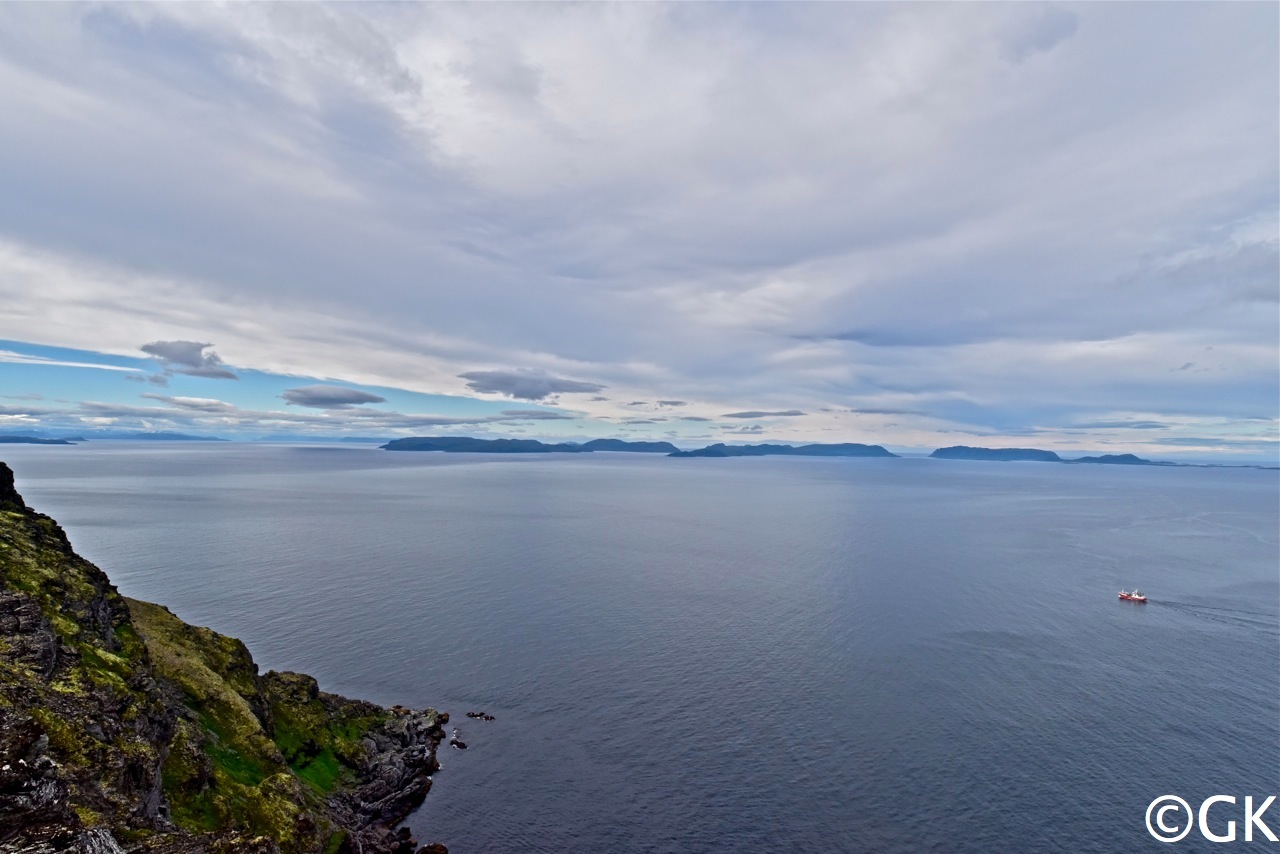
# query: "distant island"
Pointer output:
{"type": "Point", "coordinates": [111, 436]}
{"type": "Point", "coordinates": [845, 449]}
{"type": "Point", "coordinates": [469, 445]}
{"type": "Point", "coordinates": [158, 436]}
{"type": "Point", "coordinates": [964, 452]}
{"type": "Point", "coordinates": [1119, 460]}
{"type": "Point", "coordinates": [32, 440]}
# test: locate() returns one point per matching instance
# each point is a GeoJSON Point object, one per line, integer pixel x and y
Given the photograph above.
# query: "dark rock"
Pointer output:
{"type": "Point", "coordinates": [98, 717]}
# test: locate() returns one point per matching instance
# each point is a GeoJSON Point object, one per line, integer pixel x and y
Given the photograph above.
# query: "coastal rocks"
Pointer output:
{"type": "Point", "coordinates": [32, 794]}
{"type": "Point", "coordinates": [124, 728]}
{"type": "Point", "coordinates": [396, 771]}
{"type": "Point", "coordinates": [481, 716]}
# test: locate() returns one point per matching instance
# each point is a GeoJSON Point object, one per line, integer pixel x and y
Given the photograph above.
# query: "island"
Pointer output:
{"type": "Point", "coordinates": [1119, 460]}
{"type": "Point", "coordinates": [140, 436]}
{"type": "Point", "coordinates": [964, 452]}
{"type": "Point", "coordinates": [845, 449]}
{"type": "Point", "coordinates": [469, 445]}
{"type": "Point", "coordinates": [124, 728]}
{"type": "Point", "coordinates": [160, 436]}
{"type": "Point", "coordinates": [33, 440]}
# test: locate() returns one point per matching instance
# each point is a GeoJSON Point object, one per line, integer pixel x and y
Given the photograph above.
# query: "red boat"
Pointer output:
{"type": "Point", "coordinates": [1132, 596]}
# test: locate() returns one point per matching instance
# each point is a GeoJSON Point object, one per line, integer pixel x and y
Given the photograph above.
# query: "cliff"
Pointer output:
{"type": "Point", "coordinates": [123, 729]}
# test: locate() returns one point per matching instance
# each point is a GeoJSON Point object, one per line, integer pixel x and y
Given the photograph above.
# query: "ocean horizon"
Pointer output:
{"type": "Point", "coordinates": [750, 654]}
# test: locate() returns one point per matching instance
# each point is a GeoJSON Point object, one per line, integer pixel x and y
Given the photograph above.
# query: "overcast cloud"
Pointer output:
{"type": "Point", "coordinates": [329, 397]}
{"type": "Point", "coordinates": [526, 384]}
{"type": "Point", "coordinates": [905, 220]}
{"type": "Point", "coordinates": [188, 357]}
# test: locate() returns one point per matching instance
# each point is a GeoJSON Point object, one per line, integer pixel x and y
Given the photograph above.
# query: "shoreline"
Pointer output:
{"type": "Point", "coordinates": [125, 729]}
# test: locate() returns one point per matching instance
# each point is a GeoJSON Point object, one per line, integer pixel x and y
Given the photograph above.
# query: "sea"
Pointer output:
{"type": "Point", "coordinates": [738, 655]}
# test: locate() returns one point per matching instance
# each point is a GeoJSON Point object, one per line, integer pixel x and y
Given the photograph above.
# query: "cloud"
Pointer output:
{"type": "Point", "coordinates": [672, 402]}
{"type": "Point", "coordinates": [154, 379]}
{"type": "Point", "coordinates": [23, 359]}
{"type": "Point", "coordinates": [1265, 448]}
{"type": "Point", "coordinates": [535, 415]}
{"type": "Point", "coordinates": [693, 418]}
{"type": "Point", "coordinates": [1121, 425]}
{"type": "Point", "coordinates": [218, 417]}
{"type": "Point", "coordinates": [755, 413]}
{"type": "Point", "coordinates": [1038, 29]}
{"type": "Point", "coordinates": [197, 404]}
{"type": "Point", "coordinates": [329, 397]}
{"type": "Point", "coordinates": [189, 358]}
{"type": "Point", "coordinates": [990, 214]}
{"type": "Point", "coordinates": [884, 411]}
{"type": "Point", "coordinates": [525, 384]}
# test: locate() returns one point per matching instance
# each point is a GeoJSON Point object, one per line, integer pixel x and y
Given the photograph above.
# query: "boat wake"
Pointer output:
{"type": "Point", "coordinates": [1263, 620]}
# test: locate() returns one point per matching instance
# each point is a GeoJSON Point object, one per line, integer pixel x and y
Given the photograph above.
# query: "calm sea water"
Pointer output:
{"type": "Point", "coordinates": [742, 655]}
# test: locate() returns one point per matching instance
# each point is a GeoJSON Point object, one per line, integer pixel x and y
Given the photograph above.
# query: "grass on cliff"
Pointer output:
{"type": "Point", "coordinates": [321, 741]}
{"type": "Point", "coordinates": [83, 685]}
{"type": "Point", "coordinates": [256, 752]}
{"type": "Point", "coordinates": [223, 769]}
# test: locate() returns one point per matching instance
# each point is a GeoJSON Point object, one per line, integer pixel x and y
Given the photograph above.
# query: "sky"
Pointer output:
{"type": "Point", "coordinates": [917, 225]}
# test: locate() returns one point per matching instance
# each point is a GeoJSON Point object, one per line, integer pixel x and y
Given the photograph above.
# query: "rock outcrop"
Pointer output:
{"type": "Point", "coordinates": [124, 729]}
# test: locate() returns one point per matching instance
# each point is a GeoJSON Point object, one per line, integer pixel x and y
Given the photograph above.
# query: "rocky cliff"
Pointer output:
{"type": "Point", "coordinates": [123, 729]}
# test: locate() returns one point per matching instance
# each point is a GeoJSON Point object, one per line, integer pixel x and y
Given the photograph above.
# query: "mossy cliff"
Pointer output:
{"type": "Point", "coordinates": [123, 729]}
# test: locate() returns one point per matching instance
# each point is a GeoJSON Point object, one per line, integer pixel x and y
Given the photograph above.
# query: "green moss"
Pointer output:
{"type": "Point", "coordinates": [322, 771]}
{"type": "Point", "coordinates": [88, 817]}
{"type": "Point", "coordinates": [251, 758]}
{"type": "Point", "coordinates": [334, 845]}
{"type": "Point", "coordinates": [69, 742]}
{"type": "Point", "coordinates": [321, 742]}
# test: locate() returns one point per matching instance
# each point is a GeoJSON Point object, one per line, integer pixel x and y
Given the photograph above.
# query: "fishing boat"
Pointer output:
{"type": "Point", "coordinates": [1134, 595]}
